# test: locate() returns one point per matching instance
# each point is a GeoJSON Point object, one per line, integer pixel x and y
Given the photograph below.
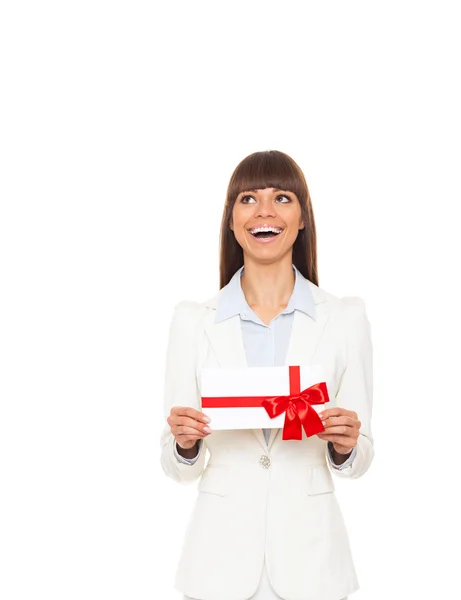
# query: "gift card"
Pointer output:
{"type": "Point", "coordinates": [232, 397]}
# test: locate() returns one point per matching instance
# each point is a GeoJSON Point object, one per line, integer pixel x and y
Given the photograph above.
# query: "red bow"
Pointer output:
{"type": "Point", "coordinates": [298, 407]}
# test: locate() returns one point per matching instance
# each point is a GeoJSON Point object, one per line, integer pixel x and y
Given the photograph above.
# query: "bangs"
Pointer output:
{"type": "Point", "coordinates": [270, 169]}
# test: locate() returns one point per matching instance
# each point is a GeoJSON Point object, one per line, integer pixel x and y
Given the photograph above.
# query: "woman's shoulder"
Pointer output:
{"type": "Point", "coordinates": [195, 307]}
{"type": "Point", "coordinates": [346, 306]}
{"type": "Point", "coordinates": [190, 312]}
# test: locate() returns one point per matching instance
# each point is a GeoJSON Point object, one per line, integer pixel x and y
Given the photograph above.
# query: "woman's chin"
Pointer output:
{"type": "Point", "coordinates": [264, 255]}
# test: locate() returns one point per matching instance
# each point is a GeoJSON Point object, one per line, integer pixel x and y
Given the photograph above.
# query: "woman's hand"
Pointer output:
{"type": "Point", "coordinates": [188, 425]}
{"type": "Point", "coordinates": [342, 428]}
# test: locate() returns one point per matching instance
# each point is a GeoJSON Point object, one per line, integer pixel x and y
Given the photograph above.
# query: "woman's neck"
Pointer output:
{"type": "Point", "coordinates": [268, 286]}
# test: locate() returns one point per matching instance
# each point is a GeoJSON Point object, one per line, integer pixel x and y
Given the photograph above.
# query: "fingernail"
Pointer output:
{"type": "Point", "coordinates": [207, 430]}
{"type": "Point", "coordinates": [321, 415]}
{"type": "Point", "coordinates": [207, 419]}
{"type": "Point", "coordinates": [324, 423]}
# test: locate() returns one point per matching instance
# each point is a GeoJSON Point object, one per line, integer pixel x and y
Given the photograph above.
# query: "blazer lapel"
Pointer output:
{"type": "Point", "coordinates": [305, 336]}
{"type": "Point", "coordinates": [227, 342]}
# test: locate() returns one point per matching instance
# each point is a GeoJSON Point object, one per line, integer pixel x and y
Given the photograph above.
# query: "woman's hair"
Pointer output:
{"type": "Point", "coordinates": [268, 169]}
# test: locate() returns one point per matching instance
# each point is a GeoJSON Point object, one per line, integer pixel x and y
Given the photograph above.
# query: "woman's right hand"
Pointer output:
{"type": "Point", "coordinates": [188, 425]}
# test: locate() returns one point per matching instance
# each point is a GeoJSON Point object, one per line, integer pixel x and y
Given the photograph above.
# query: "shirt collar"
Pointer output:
{"type": "Point", "coordinates": [232, 300]}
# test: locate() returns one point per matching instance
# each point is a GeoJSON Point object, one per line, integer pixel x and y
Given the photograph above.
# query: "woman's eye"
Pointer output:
{"type": "Point", "coordinates": [282, 198]}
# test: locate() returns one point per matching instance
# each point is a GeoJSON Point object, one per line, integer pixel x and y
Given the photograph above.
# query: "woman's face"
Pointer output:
{"type": "Point", "coordinates": [266, 222]}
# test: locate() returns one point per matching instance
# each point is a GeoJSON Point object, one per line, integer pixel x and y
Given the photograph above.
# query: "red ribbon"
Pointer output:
{"type": "Point", "coordinates": [297, 406]}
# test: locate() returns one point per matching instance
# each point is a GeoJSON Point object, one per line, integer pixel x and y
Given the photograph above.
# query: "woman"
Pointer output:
{"type": "Point", "coordinates": [266, 524]}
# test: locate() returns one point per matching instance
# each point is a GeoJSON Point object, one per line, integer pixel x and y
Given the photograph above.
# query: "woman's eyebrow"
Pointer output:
{"type": "Point", "coordinates": [259, 189]}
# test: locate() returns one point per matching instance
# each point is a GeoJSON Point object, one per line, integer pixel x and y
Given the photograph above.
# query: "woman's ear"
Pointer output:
{"type": "Point", "coordinates": [301, 225]}
{"type": "Point", "coordinates": [231, 226]}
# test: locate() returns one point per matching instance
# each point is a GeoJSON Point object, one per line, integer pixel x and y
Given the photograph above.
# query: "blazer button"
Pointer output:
{"type": "Point", "coordinates": [265, 461]}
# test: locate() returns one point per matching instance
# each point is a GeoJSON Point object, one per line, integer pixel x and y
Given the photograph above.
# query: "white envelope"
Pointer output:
{"type": "Point", "coordinates": [253, 381]}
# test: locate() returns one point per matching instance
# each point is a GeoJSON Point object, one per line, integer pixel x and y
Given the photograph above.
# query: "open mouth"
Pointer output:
{"type": "Point", "coordinates": [265, 233]}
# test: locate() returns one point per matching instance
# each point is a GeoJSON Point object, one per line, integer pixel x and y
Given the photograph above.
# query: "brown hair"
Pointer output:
{"type": "Point", "coordinates": [268, 169]}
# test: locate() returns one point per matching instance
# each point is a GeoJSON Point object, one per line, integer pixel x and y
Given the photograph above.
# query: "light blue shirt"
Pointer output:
{"type": "Point", "coordinates": [265, 345]}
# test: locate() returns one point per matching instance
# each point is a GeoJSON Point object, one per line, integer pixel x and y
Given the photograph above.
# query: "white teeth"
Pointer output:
{"type": "Point", "coordinates": [265, 230]}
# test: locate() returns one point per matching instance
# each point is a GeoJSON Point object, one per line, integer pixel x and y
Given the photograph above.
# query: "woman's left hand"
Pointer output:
{"type": "Point", "coordinates": [342, 428]}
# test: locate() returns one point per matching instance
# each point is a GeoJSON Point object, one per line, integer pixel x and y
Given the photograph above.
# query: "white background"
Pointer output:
{"type": "Point", "coordinates": [121, 123]}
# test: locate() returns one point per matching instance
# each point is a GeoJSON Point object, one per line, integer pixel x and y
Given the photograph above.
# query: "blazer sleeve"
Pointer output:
{"type": "Point", "coordinates": [180, 386]}
{"type": "Point", "coordinates": [356, 385]}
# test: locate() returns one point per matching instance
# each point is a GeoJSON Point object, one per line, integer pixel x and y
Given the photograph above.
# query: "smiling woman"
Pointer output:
{"type": "Point", "coordinates": [280, 213]}
{"type": "Point", "coordinates": [268, 189]}
{"type": "Point", "coordinates": [266, 524]}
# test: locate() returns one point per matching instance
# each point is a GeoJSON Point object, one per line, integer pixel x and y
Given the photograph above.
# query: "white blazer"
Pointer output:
{"type": "Point", "coordinates": [287, 513]}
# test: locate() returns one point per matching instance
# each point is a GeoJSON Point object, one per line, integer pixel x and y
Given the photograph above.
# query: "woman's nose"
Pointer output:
{"type": "Point", "coordinates": [265, 208]}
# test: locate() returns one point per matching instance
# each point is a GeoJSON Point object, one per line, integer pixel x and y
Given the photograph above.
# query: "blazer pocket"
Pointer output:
{"type": "Point", "coordinates": [319, 480]}
{"type": "Point", "coordinates": [215, 480]}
